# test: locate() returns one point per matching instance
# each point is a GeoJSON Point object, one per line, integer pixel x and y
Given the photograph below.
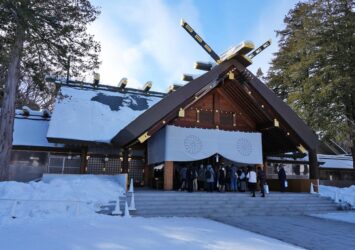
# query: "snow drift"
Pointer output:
{"type": "Point", "coordinates": [82, 194]}
{"type": "Point", "coordinates": [339, 194]}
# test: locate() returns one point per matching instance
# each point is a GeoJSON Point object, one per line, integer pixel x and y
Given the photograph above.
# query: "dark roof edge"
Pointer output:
{"type": "Point", "coordinates": [172, 102]}
{"type": "Point", "coordinates": [46, 149]}
{"type": "Point", "coordinates": [75, 142]}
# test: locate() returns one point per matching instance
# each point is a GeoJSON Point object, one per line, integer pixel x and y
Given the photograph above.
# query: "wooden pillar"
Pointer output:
{"type": "Point", "coordinates": [147, 176]}
{"type": "Point", "coordinates": [313, 164]}
{"type": "Point", "coordinates": [147, 169]}
{"type": "Point", "coordinates": [84, 161]}
{"type": "Point", "coordinates": [125, 163]}
{"type": "Point", "coordinates": [168, 175]}
{"type": "Point", "coordinates": [265, 168]}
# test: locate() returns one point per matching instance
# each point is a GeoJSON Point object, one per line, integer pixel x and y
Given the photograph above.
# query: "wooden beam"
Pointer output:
{"type": "Point", "coordinates": [168, 175]}
{"type": "Point", "coordinates": [313, 164]}
{"type": "Point", "coordinates": [84, 161]}
{"type": "Point", "coordinates": [265, 126]}
{"type": "Point", "coordinates": [125, 163]}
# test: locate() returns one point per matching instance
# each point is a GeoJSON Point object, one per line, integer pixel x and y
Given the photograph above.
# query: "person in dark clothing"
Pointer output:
{"type": "Point", "coordinates": [201, 178]}
{"type": "Point", "coordinates": [190, 179]}
{"type": "Point", "coordinates": [282, 178]}
{"type": "Point", "coordinates": [243, 180]}
{"type": "Point", "coordinates": [183, 173]}
{"type": "Point", "coordinates": [215, 171]}
{"type": "Point", "coordinates": [222, 179]}
{"type": "Point", "coordinates": [233, 178]}
{"type": "Point", "coordinates": [261, 179]}
{"type": "Point", "coordinates": [210, 178]}
{"type": "Point", "coordinates": [239, 179]}
{"type": "Point", "coordinates": [176, 179]}
{"type": "Point", "coordinates": [228, 178]}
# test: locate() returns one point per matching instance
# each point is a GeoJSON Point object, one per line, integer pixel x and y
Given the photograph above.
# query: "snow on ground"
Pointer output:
{"type": "Point", "coordinates": [108, 232]}
{"type": "Point", "coordinates": [341, 216]}
{"type": "Point", "coordinates": [58, 196]}
{"type": "Point", "coordinates": [41, 215]}
{"type": "Point", "coordinates": [339, 194]}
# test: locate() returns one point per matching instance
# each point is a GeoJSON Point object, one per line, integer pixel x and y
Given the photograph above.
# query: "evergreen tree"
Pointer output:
{"type": "Point", "coordinates": [259, 73]}
{"type": "Point", "coordinates": [38, 38]}
{"type": "Point", "coordinates": [314, 68]}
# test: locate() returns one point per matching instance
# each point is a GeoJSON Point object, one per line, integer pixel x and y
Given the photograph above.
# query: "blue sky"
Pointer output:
{"type": "Point", "coordinates": [143, 40]}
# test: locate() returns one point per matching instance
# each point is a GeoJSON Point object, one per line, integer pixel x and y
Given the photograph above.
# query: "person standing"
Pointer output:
{"type": "Point", "coordinates": [243, 180]}
{"type": "Point", "coordinates": [194, 174]}
{"type": "Point", "coordinates": [282, 178]}
{"type": "Point", "coordinates": [233, 179]}
{"type": "Point", "coordinates": [201, 177]}
{"type": "Point", "coordinates": [210, 178]}
{"type": "Point", "coordinates": [222, 179]}
{"type": "Point", "coordinates": [183, 178]}
{"type": "Point", "coordinates": [261, 180]}
{"type": "Point", "coordinates": [228, 178]}
{"type": "Point", "coordinates": [190, 179]}
{"type": "Point", "coordinates": [252, 180]}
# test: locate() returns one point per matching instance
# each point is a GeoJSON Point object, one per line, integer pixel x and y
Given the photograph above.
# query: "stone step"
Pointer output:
{"type": "Point", "coordinates": [202, 204]}
{"type": "Point", "coordinates": [226, 208]}
{"type": "Point", "coordinates": [175, 193]}
{"type": "Point", "coordinates": [230, 197]}
{"type": "Point", "coordinates": [202, 195]}
{"type": "Point", "coordinates": [221, 214]}
{"type": "Point", "coordinates": [232, 205]}
{"type": "Point", "coordinates": [234, 210]}
{"type": "Point", "coordinates": [249, 199]}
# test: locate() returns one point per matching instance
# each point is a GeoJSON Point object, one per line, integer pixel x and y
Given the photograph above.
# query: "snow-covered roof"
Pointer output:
{"type": "Point", "coordinates": [95, 115]}
{"type": "Point", "coordinates": [336, 161]}
{"type": "Point", "coordinates": [326, 161]}
{"type": "Point", "coordinates": [31, 130]}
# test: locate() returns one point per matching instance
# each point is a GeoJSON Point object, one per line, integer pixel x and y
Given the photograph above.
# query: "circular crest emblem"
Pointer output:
{"type": "Point", "coordinates": [244, 146]}
{"type": "Point", "coordinates": [193, 144]}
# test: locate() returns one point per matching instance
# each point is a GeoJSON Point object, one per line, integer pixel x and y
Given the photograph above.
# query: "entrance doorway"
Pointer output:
{"type": "Point", "coordinates": [224, 175]}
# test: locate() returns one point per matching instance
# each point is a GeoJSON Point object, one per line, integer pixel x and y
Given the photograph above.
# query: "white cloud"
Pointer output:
{"type": "Point", "coordinates": [143, 40]}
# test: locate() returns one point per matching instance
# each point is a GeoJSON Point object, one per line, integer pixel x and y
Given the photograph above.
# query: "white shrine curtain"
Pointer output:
{"type": "Point", "coordinates": [190, 144]}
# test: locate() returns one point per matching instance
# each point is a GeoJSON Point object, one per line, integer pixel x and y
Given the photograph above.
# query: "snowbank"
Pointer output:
{"type": "Point", "coordinates": [70, 196]}
{"type": "Point", "coordinates": [339, 194]}
{"type": "Point", "coordinates": [108, 232]}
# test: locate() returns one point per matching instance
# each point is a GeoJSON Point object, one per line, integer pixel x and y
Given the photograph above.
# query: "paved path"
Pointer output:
{"type": "Point", "coordinates": [304, 231]}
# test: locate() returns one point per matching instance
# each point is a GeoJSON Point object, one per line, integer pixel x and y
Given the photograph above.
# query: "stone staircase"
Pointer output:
{"type": "Point", "coordinates": [211, 205]}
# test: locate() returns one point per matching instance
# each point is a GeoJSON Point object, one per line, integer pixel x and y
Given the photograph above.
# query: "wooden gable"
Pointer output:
{"type": "Point", "coordinates": [215, 110]}
{"type": "Point", "coordinates": [228, 89]}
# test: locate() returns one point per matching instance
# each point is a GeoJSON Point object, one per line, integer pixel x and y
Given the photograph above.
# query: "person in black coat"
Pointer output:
{"type": "Point", "coordinates": [282, 178]}
{"type": "Point", "coordinates": [261, 179]}
{"type": "Point", "coordinates": [222, 179]}
{"type": "Point", "coordinates": [190, 178]}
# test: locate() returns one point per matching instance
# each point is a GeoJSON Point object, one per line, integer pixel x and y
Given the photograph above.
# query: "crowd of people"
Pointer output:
{"type": "Point", "coordinates": [223, 178]}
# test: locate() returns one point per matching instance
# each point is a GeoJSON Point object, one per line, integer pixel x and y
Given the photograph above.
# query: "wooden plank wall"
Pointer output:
{"type": "Point", "coordinates": [216, 111]}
